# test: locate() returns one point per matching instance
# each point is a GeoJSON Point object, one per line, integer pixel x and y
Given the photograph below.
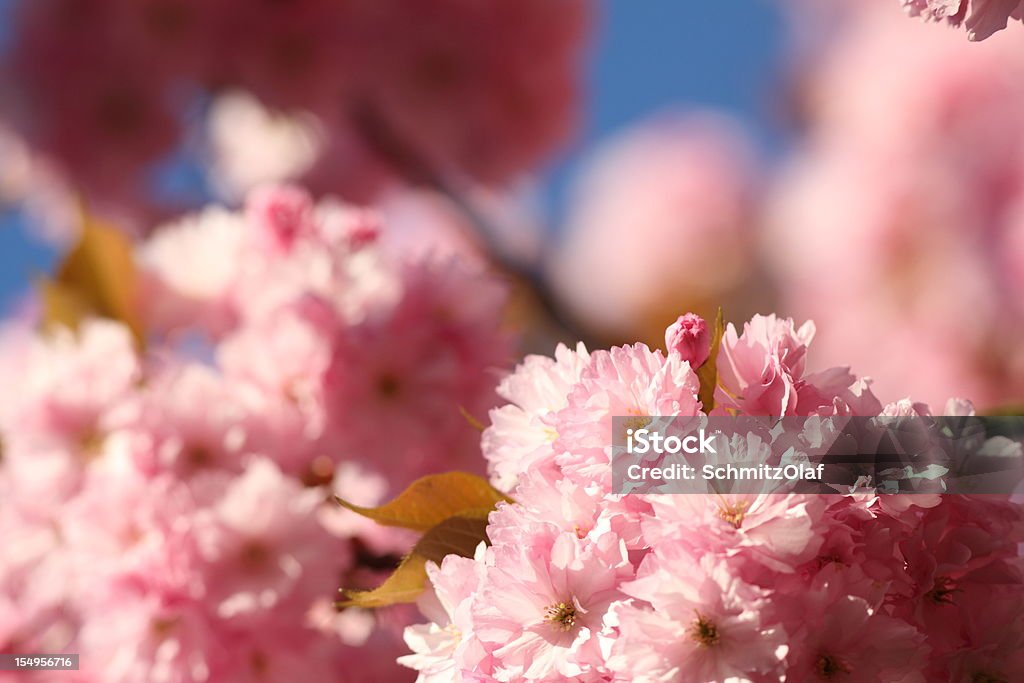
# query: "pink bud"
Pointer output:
{"type": "Point", "coordinates": [282, 213]}
{"type": "Point", "coordinates": [689, 337]}
{"type": "Point", "coordinates": [364, 232]}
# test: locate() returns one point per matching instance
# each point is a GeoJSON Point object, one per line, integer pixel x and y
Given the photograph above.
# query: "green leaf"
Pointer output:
{"type": "Point", "coordinates": [433, 499]}
{"type": "Point", "coordinates": [96, 278]}
{"type": "Point", "coordinates": [708, 372]}
{"type": "Point", "coordinates": [1009, 410]}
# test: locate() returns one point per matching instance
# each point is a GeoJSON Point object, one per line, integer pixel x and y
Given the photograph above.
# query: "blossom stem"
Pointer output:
{"type": "Point", "coordinates": [409, 164]}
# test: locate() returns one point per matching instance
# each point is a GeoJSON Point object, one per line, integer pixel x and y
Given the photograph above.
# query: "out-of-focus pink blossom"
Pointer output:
{"type": "Point", "coordinates": [661, 220]}
{"type": "Point", "coordinates": [356, 95]}
{"type": "Point", "coordinates": [359, 329]}
{"type": "Point", "coordinates": [28, 180]}
{"type": "Point", "coordinates": [510, 69]}
{"type": "Point", "coordinates": [423, 223]}
{"type": "Point", "coordinates": [167, 503]}
{"type": "Point", "coordinates": [902, 208]}
{"type": "Point", "coordinates": [415, 365]}
{"type": "Point", "coordinates": [282, 215]}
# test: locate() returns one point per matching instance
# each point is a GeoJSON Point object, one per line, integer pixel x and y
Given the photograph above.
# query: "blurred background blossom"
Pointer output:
{"type": "Point", "coordinates": [901, 207]}
{"type": "Point", "coordinates": [167, 480]}
{"type": "Point", "coordinates": [393, 88]}
{"type": "Point", "coordinates": [662, 219]}
{"type": "Point", "coordinates": [799, 173]}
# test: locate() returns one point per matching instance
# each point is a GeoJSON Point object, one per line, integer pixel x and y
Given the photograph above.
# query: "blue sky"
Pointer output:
{"type": "Point", "coordinates": [647, 55]}
{"type": "Point", "coordinates": [656, 53]}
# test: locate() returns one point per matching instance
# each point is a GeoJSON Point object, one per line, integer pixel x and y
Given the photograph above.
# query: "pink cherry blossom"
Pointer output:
{"type": "Point", "coordinates": [408, 366]}
{"type": "Point", "coordinates": [842, 636]}
{"type": "Point", "coordinates": [264, 545]}
{"type": "Point", "coordinates": [764, 372]}
{"type": "Point", "coordinates": [281, 214]}
{"type": "Point", "coordinates": [359, 331]}
{"type": "Point", "coordinates": [778, 531]}
{"type": "Point", "coordinates": [981, 18]}
{"type": "Point", "coordinates": [251, 145]}
{"type": "Point", "coordinates": [542, 608]}
{"type": "Point", "coordinates": [693, 620]}
{"type": "Point", "coordinates": [448, 642]}
{"type": "Point", "coordinates": [625, 380]}
{"type": "Point", "coordinates": [762, 366]}
{"type": "Point", "coordinates": [521, 433]}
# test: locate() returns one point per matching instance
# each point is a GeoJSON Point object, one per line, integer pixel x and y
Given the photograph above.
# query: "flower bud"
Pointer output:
{"type": "Point", "coordinates": [689, 337]}
{"type": "Point", "coordinates": [282, 214]}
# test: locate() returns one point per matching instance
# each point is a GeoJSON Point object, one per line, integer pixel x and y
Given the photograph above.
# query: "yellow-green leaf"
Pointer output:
{"type": "Point", "coordinates": [431, 500]}
{"type": "Point", "coordinates": [453, 536]}
{"type": "Point", "coordinates": [1009, 410]}
{"type": "Point", "coordinates": [62, 305]}
{"type": "Point", "coordinates": [708, 372]}
{"type": "Point", "coordinates": [471, 419]}
{"type": "Point", "coordinates": [404, 585]}
{"type": "Point", "coordinates": [96, 278]}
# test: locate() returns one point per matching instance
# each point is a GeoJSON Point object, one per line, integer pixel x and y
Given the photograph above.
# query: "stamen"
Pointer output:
{"type": "Point", "coordinates": [561, 616]}
{"type": "Point", "coordinates": [982, 677]}
{"type": "Point", "coordinates": [942, 593]}
{"type": "Point", "coordinates": [733, 513]}
{"type": "Point", "coordinates": [705, 632]}
{"type": "Point", "coordinates": [830, 666]}
{"type": "Point", "coordinates": [636, 422]}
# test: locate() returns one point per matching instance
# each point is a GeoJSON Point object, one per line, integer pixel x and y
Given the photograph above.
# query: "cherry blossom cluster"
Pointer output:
{"type": "Point", "coordinates": [583, 584]}
{"type": "Point", "coordinates": [166, 508]}
{"type": "Point", "coordinates": [109, 88]}
{"type": "Point", "coordinates": [980, 18]}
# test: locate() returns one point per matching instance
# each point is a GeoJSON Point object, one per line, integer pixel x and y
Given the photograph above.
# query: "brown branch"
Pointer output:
{"type": "Point", "coordinates": [410, 165]}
